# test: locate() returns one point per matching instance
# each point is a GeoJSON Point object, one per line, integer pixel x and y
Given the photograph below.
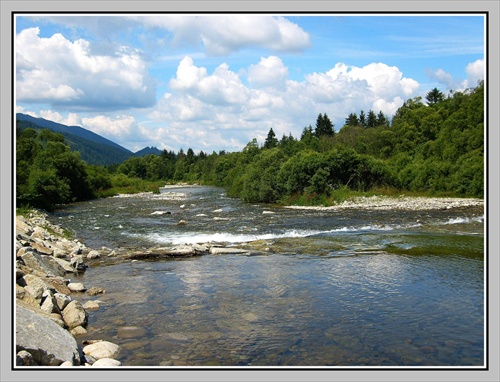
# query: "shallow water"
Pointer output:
{"type": "Point", "coordinates": [330, 288]}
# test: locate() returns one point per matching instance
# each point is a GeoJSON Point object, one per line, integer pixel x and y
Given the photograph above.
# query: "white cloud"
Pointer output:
{"type": "Point", "coordinates": [205, 108]}
{"type": "Point", "coordinates": [475, 72]}
{"type": "Point", "coordinates": [116, 129]}
{"type": "Point", "coordinates": [60, 72]}
{"type": "Point", "coordinates": [269, 72]}
{"type": "Point", "coordinates": [223, 34]}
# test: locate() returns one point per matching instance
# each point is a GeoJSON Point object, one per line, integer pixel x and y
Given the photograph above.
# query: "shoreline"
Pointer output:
{"type": "Point", "coordinates": [420, 203]}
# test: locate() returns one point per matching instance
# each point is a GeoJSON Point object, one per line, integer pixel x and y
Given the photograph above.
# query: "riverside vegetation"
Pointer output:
{"type": "Point", "coordinates": [433, 148]}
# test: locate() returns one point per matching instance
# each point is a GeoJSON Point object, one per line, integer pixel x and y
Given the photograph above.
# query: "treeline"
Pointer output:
{"type": "Point", "coordinates": [434, 146]}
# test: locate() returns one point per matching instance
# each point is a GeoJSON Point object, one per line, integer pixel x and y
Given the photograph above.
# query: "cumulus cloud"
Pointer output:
{"type": "Point", "coordinates": [222, 34]}
{"type": "Point", "coordinates": [60, 72]}
{"type": "Point", "coordinates": [269, 72]}
{"type": "Point", "coordinates": [475, 71]}
{"type": "Point", "coordinates": [219, 105]}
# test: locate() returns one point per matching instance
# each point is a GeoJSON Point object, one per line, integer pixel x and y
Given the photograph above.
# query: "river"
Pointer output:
{"type": "Point", "coordinates": [353, 287]}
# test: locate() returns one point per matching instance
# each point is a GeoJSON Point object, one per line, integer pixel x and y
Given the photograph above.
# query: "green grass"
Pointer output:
{"type": "Point", "coordinates": [121, 184]}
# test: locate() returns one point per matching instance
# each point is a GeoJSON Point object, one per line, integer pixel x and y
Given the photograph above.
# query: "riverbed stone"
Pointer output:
{"type": "Point", "coordinates": [48, 343]}
{"type": "Point", "coordinates": [75, 315]}
{"type": "Point", "coordinates": [78, 331]}
{"type": "Point", "coordinates": [77, 287]}
{"type": "Point", "coordinates": [130, 332]}
{"type": "Point", "coordinates": [106, 362]}
{"type": "Point", "coordinates": [102, 349]}
{"type": "Point", "coordinates": [91, 305]}
{"type": "Point", "coordinates": [93, 255]}
{"type": "Point", "coordinates": [227, 251]}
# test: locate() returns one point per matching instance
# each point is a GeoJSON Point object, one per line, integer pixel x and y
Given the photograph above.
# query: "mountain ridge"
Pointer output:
{"type": "Point", "coordinates": [93, 148]}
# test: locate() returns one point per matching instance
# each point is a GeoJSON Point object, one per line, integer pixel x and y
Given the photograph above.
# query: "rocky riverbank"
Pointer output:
{"type": "Point", "coordinates": [49, 315]}
{"type": "Point", "coordinates": [400, 203]}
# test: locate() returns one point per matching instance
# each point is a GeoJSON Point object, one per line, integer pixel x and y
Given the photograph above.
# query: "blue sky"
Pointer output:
{"type": "Point", "coordinates": [215, 82]}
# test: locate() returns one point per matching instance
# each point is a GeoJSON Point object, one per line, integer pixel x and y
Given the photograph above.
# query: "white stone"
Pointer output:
{"type": "Point", "coordinates": [102, 349]}
{"type": "Point", "coordinates": [105, 362]}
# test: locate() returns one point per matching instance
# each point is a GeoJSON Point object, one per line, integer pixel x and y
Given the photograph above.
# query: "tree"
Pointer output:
{"type": "Point", "coordinates": [352, 120]}
{"type": "Point", "coordinates": [362, 118]}
{"type": "Point", "coordinates": [434, 96]}
{"type": "Point", "coordinates": [271, 140]}
{"type": "Point", "coordinates": [372, 119]}
{"type": "Point", "coordinates": [324, 126]}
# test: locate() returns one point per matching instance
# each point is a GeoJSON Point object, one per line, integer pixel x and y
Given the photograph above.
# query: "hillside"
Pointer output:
{"type": "Point", "coordinates": [93, 148]}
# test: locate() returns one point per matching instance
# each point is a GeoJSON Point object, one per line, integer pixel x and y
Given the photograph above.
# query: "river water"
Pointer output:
{"type": "Point", "coordinates": [321, 288]}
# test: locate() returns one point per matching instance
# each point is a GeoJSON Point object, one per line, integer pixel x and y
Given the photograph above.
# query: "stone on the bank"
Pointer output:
{"type": "Point", "coordinates": [66, 265]}
{"type": "Point", "coordinates": [78, 331]}
{"type": "Point", "coordinates": [66, 364]}
{"type": "Point", "coordinates": [105, 362]}
{"type": "Point", "coordinates": [62, 300]}
{"type": "Point", "coordinates": [48, 343]}
{"type": "Point", "coordinates": [75, 315]}
{"type": "Point", "coordinates": [49, 304]}
{"type": "Point", "coordinates": [77, 263]}
{"type": "Point", "coordinates": [34, 285]}
{"type": "Point", "coordinates": [77, 287]}
{"type": "Point", "coordinates": [45, 264]}
{"type": "Point", "coordinates": [25, 358]}
{"type": "Point", "coordinates": [41, 247]}
{"type": "Point", "coordinates": [102, 349]}
{"type": "Point", "coordinates": [93, 255]}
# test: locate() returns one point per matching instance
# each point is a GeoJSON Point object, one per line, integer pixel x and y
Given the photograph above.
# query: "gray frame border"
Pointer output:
{"type": "Point", "coordinates": [7, 220]}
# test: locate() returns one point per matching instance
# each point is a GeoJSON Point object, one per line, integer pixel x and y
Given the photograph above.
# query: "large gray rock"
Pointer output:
{"type": "Point", "coordinates": [48, 343]}
{"type": "Point", "coordinates": [45, 264]}
{"type": "Point", "coordinates": [75, 315]}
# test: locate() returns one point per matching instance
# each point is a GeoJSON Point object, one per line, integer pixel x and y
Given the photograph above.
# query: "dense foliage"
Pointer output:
{"type": "Point", "coordinates": [434, 147]}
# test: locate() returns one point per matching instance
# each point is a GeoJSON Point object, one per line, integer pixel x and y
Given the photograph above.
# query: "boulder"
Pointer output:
{"type": "Point", "coordinates": [102, 349]}
{"type": "Point", "coordinates": [66, 265]}
{"type": "Point", "coordinates": [75, 315]}
{"type": "Point", "coordinates": [93, 255]}
{"type": "Point", "coordinates": [77, 263]}
{"type": "Point", "coordinates": [62, 300]}
{"type": "Point", "coordinates": [48, 343]}
{"type": "Point", "coordinates": [91, 305]}
{"type": "Point", "coordinates": [25, 358]}
{"type": "Point", "coordinates": [34, 285]}
{"type": "Point", "coordinates": [106, 362]}
{"type": "Point", "coordinates": [42, 247]}
{"type": "Point", "coordinates": [45, 264]}
{"type": "Point", "coordinates": [77, 287]}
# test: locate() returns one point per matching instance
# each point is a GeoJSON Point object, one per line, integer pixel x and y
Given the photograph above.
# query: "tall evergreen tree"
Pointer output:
{"type": "Point", "coordinates": [352, 120]}
{"type": "Point", "coordinates": [324, 126]}
{"type": "Point", "coordinates": [434, 96]}
{"type": "Point", "coordinates": [362, 118]}
{"type": "Point", "coordinates": [271, 140]}
{"type": "Point", "coordinates": [372, 119]}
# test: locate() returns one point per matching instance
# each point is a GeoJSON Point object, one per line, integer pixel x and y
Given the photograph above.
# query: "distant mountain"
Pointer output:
{"type": "Point", "coordinates": [147, 151]}
{"type": "Point", "coordinates": [93, 148]}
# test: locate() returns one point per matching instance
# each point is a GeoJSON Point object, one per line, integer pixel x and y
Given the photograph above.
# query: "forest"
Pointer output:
{"type": "Point", "coordinates": [432, 146]}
